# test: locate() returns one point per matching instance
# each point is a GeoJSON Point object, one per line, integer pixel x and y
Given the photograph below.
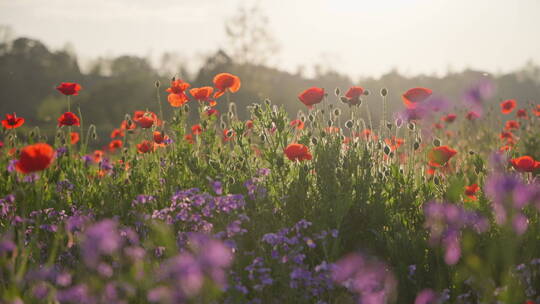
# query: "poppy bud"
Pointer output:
{"type": "Point", "coordinates": [399, 123]}
{"type": "Point", "coordinates": [263, 137]}
{"type": "Point", "coordinates": [349, 124]}
{"type": "Point", "coordinates": [63, 142]}
{"type": "Point", "coordinates": [230, 114]}
{"type": "Point", "coordinates": [31, 134]}
{"type": "Point", "coordinates": [471, 152]}
{"type": "Point", "coordinates": [391, 155]}
{"type": "Point", "coordinates": [218, 150]}
{"type": "Point", "coordinates": [94, 135]}
{"type": "Point", "coordinates": [379, 145]}
{"type": "Point", "coordinates": [280, 162]}
{"type": "Point", "coordinates": [381, 175]}
{"type": "Point", "coordinates": [274, 109]}
{"type": "Point", "coordinates": [359, 102]}
{"type": "Point", "coordinates": [323, 134]}
{"type": "Point", "coordinates": [186, 108]}
{"type": "Point", "coordinates": [124, 151]}
{"type": "Point", "coordinates": [436, 180]}
{"type": "Point", "coordinates": [337, 91]}
{"type": "Point", "coordinates": [231, 180]}
{"type": "Point", "coordinates": [389, 126]}
{"type": "Point", "coordinates": [342, 137]}
{"type": "Point", "coordinates": [240, 159]}
{"type": "Point", "coordinates": [223, 125]}
{"type": "Point", "coordinates": [344, 99]}
{"type": "Point", "coordinates": [416, 145]}
{"type": "Point", "coordinates": [330, 123]}
{"type": "Point", "coordinates": [232, 107]}
{"type": "Point", "coordinates": [401, 171]}
{"type": "Point", "coordinates": [229, 133]}
{"type": "Point", "coordinates": [302, 118]}
{"type": "Point", "coordinates": [311, 117]}
{"type": "Point", "coordinates": [315, 124]}
{"type": "Point", "coordinates": [314, 140]}
{"type": "Point", "coordinates": [436, 142]}
{"type": "Point", "coordinates": [366, 92]}
{"type": "Point", "coordinates": [267, 101]}
{"type": "Point", "coordinates": [204, 124]}
{"type": "Point", "coordinates": [59, 134]}
{"type": "Point", "coordinates": [173, 79]}
{"type": "Point", "coordinates": [337, 112]}
{"type": "Point", "coordinates": [411, 126]}
{"type": "Point", "coordinates": [384, 92]}
{"type": "Point", "coordinates": [157, 83]}
{"type": "Point", "coordinates": [386, 150]}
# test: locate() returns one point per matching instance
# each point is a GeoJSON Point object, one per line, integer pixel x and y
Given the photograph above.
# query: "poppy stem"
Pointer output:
{"type": "Point", "coordinates": [69, 103]}
{"type": "Point", "coordinates": [160, 107]}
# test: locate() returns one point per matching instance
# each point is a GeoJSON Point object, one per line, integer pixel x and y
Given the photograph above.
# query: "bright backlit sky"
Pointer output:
{"type": "Point", "coordinates": [357, 37]}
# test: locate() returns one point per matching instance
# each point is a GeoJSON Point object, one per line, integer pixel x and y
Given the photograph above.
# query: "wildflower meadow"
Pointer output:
{"type": "Point", "coordinates": [438, 202]}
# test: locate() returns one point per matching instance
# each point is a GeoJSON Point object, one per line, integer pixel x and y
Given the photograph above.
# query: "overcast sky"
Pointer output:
{"type": "Point", "coordinates": [357, 37]}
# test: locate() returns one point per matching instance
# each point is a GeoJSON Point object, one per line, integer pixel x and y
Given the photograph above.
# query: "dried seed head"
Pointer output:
{"type": "Point", "coordinates": [436, 142]}
{"type": "Point", "coordinates": [416, 146]}
{"type": "Point", "coordinates": [337, 112]}
{"type": "Point", "coordinates": [337, 91]}
{"type": "Point", "coordinates": [384, 92]}
{"type": "Point", "coordinates": [349, 124]}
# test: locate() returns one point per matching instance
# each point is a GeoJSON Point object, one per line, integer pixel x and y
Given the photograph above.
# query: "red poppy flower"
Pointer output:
{"type": "Point", "coordinates": [472, 115]}
{"type": "Point", "coordinates": [145, 119]}
{"type": "Point", "coordinates": [508, 106]}
{"type": "Point", "coordinates": [12, 121]}
{"type": "Point", "coordinates": [34, 158]}
{"type": "Point", "coordinates": [525, 164]}
{"type": "Point", "coordinates": [203, 94]}
{"type": "Point", "coordinates": [449, 118]}
{"type": "Point", "coordinates": [125, 125]}
{"type": "Point", "coordinates": [353, 94]}
{"type": "Point", "coordinates": [69, 88]}
{"type": "Point", "coordinates": [471, 190]}
{"type": "Point", "coordinates": [413, 96]}
{"type": "Point", "coordinates": [508, 136]}
{"type": "Point", "coordinates": [177, 97]}
{"type": "Point", "coordinates": [196, 129]}
{"type": "Point", "coordinates": [160, 138]}
{"type": "Point", "coordinates": [189, 139]}
{"type": "Point", "coordinates": [1, 144]}
{"type": "Point", "coordinates": [249, 124]}
{"type": "Point", "coordinates": [537, 110]}
{"type": "Point", "coordinates": [438, 126]}
{"type": "Point", "coordinates": [368, 134]}
{"type": "Point", "coordinates": [145, 146]}
{"type": "Point", "coordinates": [505, 148]}
{"type": "Point", "coordinates": [297, 152]}
{"type": "Point", "coordinates": [117, 133]}
{"type": "Point", "coordinates": [311, 96]}
{"type": "Point", "coordinates": [299, 124]}
{"type": "Point", "coordinates": [211, 112]}
{"type": "Point", "coordinates": [74, 137]}
{"type": "Point", "coordinates": [228, 134]}
{"type": "Point", "coordinates": [97, 156]}
{"type": "Point", "coordinates": [226, 81]}
{"type": "Point", "coordinates": [522, 113]}
{"type": "Point", "coordinates": [115, 144]}
{"type": "Point", "coordinates": [69, 119]}
{"type": "Point", "coordinates": [511, 125]}
{"type": "Point", "coordinates": [439, 156]}
{"type": "Point", "coordinates": [394, 143]}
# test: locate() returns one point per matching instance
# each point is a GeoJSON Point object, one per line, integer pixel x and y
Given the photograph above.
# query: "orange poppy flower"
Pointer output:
{"type": "Point", "coordinates": [298, 152]}
{"type": "Point", "coordinates": [298, 124]}
{"type": "Point", "coordinates": [353, 94]}
{"type": "Point", "coordinates": [249, 124]}
{"type": "Point", "coordinates": [525, 164]}
{"type": "Point", "coordinates": [125, 125]}
{"type": "Point", "coordinates": [508, 106]}
{"type": "Point", "coordinates": [522, 113]}
{"type": "Point", "coordinates": [224, 82]}
{"type": "Point", "coordinates": [471, 190]}
{"type": "Point", "coordinates": [311, 96]}
{"type": "Point", "coordinates": [413, 96]}
{"type": "Point", "coordinates": [439, 156]}
{"type": "Point", "coordinates": [177, 97]}
{"type": "Point", "coordinates": [506, 148]}
{"type": "Point", "coordinates": [203, 94]}
{"type": "Point", "coordinates": [115, 144]}
{"type": "Point", "coordinates": [145, 146]}
{"type": "Point", "coordinates": [145, 119]}
{"type": "Point", "coordinates": [508, 136]}
{"type": "Point", "coordinates": [449, 118]}
{"type": "Point", "coordinates": [117, 133]}
{"type": "Point", "coordinates": [394, 143]}
{"type": "Point", "coordinates": [69, 88]}
{"type": "Point", "coordinates": [12, 121]}
{"type": "Point", "coordinates": [228, 134]}
{"type": "Point", "coordinates": [332, 129]}
{"type": "Point", "coordinates": [368, 134]}
{"type": "Point", "coordinates": [74, 137]}
{"type": "Point", "coordinates": [34, 158]}
{"type": "Point", "coordinates": [160, 138]}
{"type": "Point", "coordinates": [472, 115]}
{"type": "Point", "coordinates": [511, 125]}
{"type": "Point", "coordinates": [196, 129]}
{"type": "Point", "coordinates": [438, 126]}
{"type": "Point", "coordinates": [537, 110]}
{"type": "Point", "coordinates": [97, 156]}
{"type": "Point", "coordinates": [69, 119]}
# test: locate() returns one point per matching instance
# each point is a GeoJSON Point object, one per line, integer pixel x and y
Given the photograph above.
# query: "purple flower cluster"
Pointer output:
{"type": "Point", "coordinates": [254, 187]}
{"type": "Point", "coordinates": [370, 279]}
{"type": "Point", "coordinates": [510, 195]}
{"type": "Point", "coordinates": [445, 221]}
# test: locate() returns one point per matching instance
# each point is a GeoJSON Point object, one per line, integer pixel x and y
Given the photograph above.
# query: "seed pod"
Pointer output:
{"type": "Point", "coordinates": [337, 91]}
{"type": "Point", "coordinates": [262, 137]}
{"type": "Point", "coordinates": [337, 112]}
{"type": "Point", "coordinates": [411, 126]}
{"type": "Point", "coordinates": [344, 99]}
{"type": "Point", "coordinates": [386, 150]}
{"type": "Point", "coordinates": [314, 140]}
{"type": "Point", "coordinates": [311, 117]}
{"type": "Point", "coordinates": [389, 126]}
{"type": "Point", "coordinates": [436, 142]}
{"type": "Point", "coordinates": [416, 146]}
{"type": "Point", "coordinates": [157, 83]}
{"type": "Point", "coordinates": [349, 124]}
{"type": "Point", "coordinates": [330, 123]}
{"type": "Point", "coordinates": [384, 92]}
{"type": "Point", "coordinates": [436, 180]}
{"type": "Point", "coordinates": [366, 92]}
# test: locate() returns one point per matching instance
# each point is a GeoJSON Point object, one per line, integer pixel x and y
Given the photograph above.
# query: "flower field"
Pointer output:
{"type": "Point", "coordinates": [436, 203]}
